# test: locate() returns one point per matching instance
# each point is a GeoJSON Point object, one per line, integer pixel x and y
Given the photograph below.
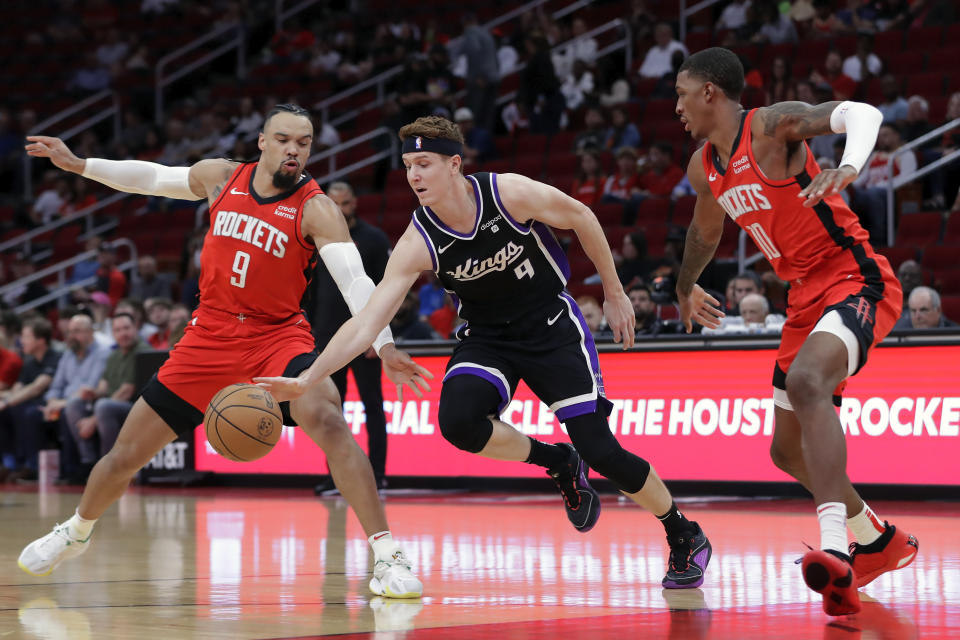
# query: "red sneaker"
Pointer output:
{"type": "Point", "coordinates": [827, 574]}
{"type": "Point", "coordinates": [894, 549]}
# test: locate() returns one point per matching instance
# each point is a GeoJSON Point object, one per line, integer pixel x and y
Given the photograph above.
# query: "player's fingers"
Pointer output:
{"type": "Point", "coordinates": [423, 372]}
{"type": "Point", "coordinates": [400, 392]}
{"type": "Point", "coordinates": [714, 311]}
{"type": "Point", "coordinates": [629, 337]}
{"type": "Point", "coordinates": [413, 387]}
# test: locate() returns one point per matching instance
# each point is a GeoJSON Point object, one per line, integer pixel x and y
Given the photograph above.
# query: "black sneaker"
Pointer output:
{"type": "Point", "coordinates": [689, 554]}
{"type": "Point", "coordinates": [581, 501]}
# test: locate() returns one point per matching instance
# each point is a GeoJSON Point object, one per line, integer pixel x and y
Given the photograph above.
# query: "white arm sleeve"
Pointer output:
{"type": "Point", "coordinates": [137, 176]}
{"type": "Point", "coordinates": [344, 264]}
{"type": "Point", "coordinates": [861, 123]}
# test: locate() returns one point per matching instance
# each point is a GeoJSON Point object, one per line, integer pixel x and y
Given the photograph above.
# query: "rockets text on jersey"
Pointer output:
{"type": "Point", "coordinates": [255, 260]}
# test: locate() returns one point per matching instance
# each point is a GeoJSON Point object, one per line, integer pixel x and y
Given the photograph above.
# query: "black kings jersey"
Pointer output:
{"type": "Point", "coordinates": [503, 268]}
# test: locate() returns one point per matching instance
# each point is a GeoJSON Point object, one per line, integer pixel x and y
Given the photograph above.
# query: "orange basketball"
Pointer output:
{"type": "Point", "coordinates": [243, 422]}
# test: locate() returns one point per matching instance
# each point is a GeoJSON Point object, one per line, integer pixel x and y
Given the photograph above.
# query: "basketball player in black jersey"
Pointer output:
{"type": "Point", "coordinates": [488, 238]}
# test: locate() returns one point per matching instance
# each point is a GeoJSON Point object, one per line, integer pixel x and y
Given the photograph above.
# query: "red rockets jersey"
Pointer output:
{"type": "Point", "coordinates": [796, 240]}
{"type": "Point", "coordinates": [255, 260]}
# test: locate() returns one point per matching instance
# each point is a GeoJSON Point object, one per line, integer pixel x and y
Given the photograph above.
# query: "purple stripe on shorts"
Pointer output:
{"type": "Point", "coordinates": [553, 247]}
{"type": "Point", "coordinates": [426, 238]}
{"type": "Point", "coordinates": [519, 226]}
{"type": "Point", "coordinates": [486, 375]}
{"type": "Point", "coordinates": [574, 410]}
{"type": "Point", "coordinates": [588, 340]}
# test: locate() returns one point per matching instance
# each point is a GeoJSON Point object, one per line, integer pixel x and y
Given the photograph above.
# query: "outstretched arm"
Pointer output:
{"type": "Point", "coordinates": [409, 258]}
{"type": "Point", "coordinates": [703, 236]}
{"type": "Point", "coordinates": [795, 121]}
{"type": "Point", "coordinates": [202, 180]}
{"type": "Point", "coordinates": [528, 199]}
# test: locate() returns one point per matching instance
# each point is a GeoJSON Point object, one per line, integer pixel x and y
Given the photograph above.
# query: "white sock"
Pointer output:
{"type": "Point", "coordinates": [78, 528]}
{"type": "Point", "coordinates": [866, 526]}
{"type": "Point", "coordinates": [833, 526]}
{"type": "Point", "coordinates": [384, 546]}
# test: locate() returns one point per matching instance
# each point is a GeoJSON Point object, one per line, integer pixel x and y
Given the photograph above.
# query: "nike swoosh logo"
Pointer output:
{"type": "Point", "coordinates": [554, 319]}
{"type": "Point", "coordinates": [382, 535]}
{"type": "Point", "coordinates": [238, 193]}
{"type": "Point", "coordinates": [712, 177]}
{"type": "Point", "coordinates": [444, 248]}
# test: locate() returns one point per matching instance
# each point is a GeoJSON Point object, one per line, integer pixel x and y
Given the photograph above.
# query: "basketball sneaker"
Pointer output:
{"type": "Point", "coordinates": [41, 557]}
{"type": "Point", "coordinates": [392, 578]}
{"type": "Point", "coordinates": [830, 574]}
{"type": "Point", "coordinates": [689, 555]}
{"type": "Point", "coordinates": [581, 501]}
{"type": "Point", "coordinates": [894, 549]}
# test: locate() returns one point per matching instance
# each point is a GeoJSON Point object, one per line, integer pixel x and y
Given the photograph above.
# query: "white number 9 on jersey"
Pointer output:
{"type": "Point", "coordinates": [240, 263]}
{"type": "Point", "coordinates": [524, 269]}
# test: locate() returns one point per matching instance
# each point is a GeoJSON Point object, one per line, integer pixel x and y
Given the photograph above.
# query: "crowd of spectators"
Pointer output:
{"type": "Point", "coordinates": [562, 87]}
{"type": "Point", "coordinates": [66, 370]}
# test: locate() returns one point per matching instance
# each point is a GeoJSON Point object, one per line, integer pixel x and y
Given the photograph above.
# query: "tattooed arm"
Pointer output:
{"type": "Point", "coordinates": [792, 122]}
{"type": "Point", "coordinates": [209, 177]}
{"type": "Point", "coordinates": [703, 236]}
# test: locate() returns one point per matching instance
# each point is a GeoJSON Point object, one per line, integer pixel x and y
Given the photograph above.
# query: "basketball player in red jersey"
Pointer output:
{"type": "Point", "coordinates": [757, 168]}
{"type": "Point", "coordinates": [268, 219]}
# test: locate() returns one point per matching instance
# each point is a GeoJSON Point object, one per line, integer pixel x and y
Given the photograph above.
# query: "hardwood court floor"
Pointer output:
{"type": "Point", "coordinates": [232, 563]}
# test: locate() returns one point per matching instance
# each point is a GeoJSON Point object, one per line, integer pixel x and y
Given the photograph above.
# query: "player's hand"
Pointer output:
{"type": "Point", "coordinates": [618, 311]}
{"type": "Point", "coordinates": [402, 370]}
{"type": "Point", "coordinates": [827, 183]}
{"type": "Point", "coordinates": [282, 389]}
{"type": "Point", "coordinates": [699, 306]}
{"type": "Point", "coordinates": [55, 149]}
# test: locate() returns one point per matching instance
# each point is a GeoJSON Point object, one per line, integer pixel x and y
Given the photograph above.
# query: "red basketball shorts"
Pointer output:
{"type": "Point", "coordinates": [218, 349]}
{"type": "Point", "coordinates": [866, 310]}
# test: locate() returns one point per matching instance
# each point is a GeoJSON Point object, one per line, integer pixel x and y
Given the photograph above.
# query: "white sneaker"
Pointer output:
{"type": "Point", "coordinates": [41, 557]}
{"type": "Point", "coordinates": [392, 578]}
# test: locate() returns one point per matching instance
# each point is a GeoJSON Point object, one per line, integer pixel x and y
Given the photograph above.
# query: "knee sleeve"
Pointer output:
{"type": "Point", "coordinates": [590, 434]}
{"type": "Point", "coordinates": [465, 403]}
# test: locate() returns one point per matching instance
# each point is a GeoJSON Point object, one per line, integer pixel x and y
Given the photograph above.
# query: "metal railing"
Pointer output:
{"type": "Point", "coordinates": [281, 14]}
{"type": "Point", "coordinates": [64, 288]}
{"type": "Point", "coordinates": [330, 155]}
{"type": "Point", "coordinates": [85, 215]}
{"type": "Point", "coordinates": [238, 42]}
{"type": "Point", "coordinates": [894, 183]}
{"type": "Point", "coordinates": [380, 80]}
{"type": "Point", "coordinates": [43, 128]}
{"type": "Point", "coordinates": [686, 12]}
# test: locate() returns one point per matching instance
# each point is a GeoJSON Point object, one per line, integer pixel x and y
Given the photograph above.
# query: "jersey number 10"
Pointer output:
{"type": "Point", "coordinates": [240, 263]}
{"type": "Point", "coordinates": [764, 243]}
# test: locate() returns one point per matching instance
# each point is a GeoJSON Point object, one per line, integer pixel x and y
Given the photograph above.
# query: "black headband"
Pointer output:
{"type": "Point", "coordinates": [436, 145]}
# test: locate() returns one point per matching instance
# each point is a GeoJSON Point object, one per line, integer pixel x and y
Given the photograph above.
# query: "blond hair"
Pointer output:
{"type": "Point", "coordinates": [432, 127]}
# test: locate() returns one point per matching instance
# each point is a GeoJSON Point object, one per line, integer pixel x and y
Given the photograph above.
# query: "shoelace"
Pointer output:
{"type": "Point", "coordinates": [567, 486]}
{"type": "Point", "coordinates": [398, 558]}
{"type": "Point", "coordinates": [680, 554]}
{"type": "Point", "coordinates": [61, 531]}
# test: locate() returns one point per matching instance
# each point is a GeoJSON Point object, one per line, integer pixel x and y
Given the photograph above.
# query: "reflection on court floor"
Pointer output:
{"type": "Point", "coordinates": [279, 564]}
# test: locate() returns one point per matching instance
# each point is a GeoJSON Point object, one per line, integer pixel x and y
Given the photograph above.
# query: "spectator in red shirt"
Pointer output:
{"type": "Point", "coordinates": [10, 361]}
{"type": "Point", "coordinates": [624, 185]}
{"type": "Point", "coordinates": [110, 280]}
{"type": "Point", "coordinates": [588, 186]}
{"type": "Point", "coordinates": [660, 173]}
